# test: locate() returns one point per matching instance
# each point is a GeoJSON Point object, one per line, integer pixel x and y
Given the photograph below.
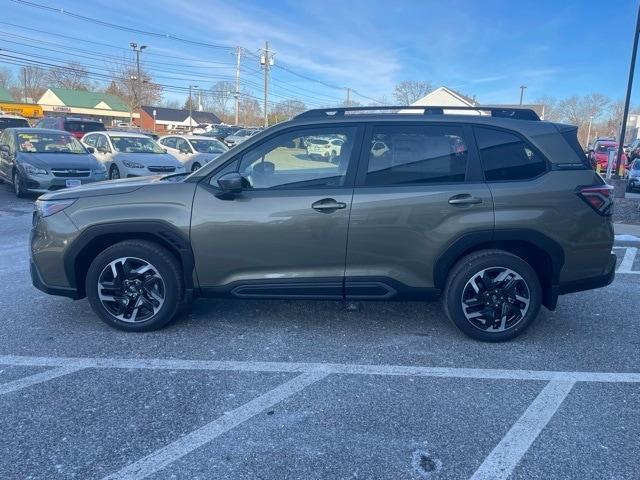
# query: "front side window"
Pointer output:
{"type": "Point", "coordinates": [506, 156]}
{"type": "Point", "coordinates": [102, 144]}
{"type": "Point", "coordinates": [303, 158]}
{"type": "Point", "coordinates": [209, 145]}
{"type": "Point", "coordinates": [182, 145]}
{"type": "Point", "coordinates": [49, 143]}
{"type": "Point", "coordinates": [417, 154]}
{"type": "Point", "coordinates": [169, 142]}
{"type": "Point", "coordinates": [90, 140]}
{"type": "Point", "coordinates": [135, 145]}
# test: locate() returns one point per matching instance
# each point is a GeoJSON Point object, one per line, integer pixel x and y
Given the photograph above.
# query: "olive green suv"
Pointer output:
{"type": "Point", "coordinates": [496, 214]}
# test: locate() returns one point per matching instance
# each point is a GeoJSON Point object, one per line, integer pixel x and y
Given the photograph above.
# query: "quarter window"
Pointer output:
{"type": "Point", "coordinates": [308, 158]}
{"type": "Point", "coordinates": [417, 154]}
{"type": "Point", "coordinates": [506, 156]}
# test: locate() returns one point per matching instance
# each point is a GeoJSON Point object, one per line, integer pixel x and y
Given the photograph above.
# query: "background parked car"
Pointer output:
{"type": "Point", "coordinates": [221, 132]}
{"type": "Point", "coordinates": [126, 154]}
{"type": "Point", "coordinates": [599, 153]}
{"type": "Point", "coordinates": [12, 121]}
{"type": "Point", "coordinates": [240, 136]}
{"type": "Point", "coordinates": [634, 176]}
{"type": "Point", "coordinates": [324, 148]}
{"type": "Point", "coordinates": [40, 161]}
{"type": "Point", "coordinates": [78, 127]}
{"type": "Point", "coordinates": [193, 151]}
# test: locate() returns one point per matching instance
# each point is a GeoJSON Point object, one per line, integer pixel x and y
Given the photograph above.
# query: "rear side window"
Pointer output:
{"type": "Point", "coordinates": [13, 123]}
{"type": "Point", "coordinates": [506, 156]}
{"type": "Point", "coordinates": [79, 126]}
{"type": "Point", "coordinates": [416, 155]}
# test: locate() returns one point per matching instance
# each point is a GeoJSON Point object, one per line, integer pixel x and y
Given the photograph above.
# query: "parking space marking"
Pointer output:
{"type": "Point", "coordinates": [161, 458]}
{"type": "Point", "coordinates": [506, 455]}
{"type": "Point", "coordinates": [326, 368]}
{"type": "Point", "coordinates": [627, 261]}
{"type": "Point", "coordinates": [24, 382]}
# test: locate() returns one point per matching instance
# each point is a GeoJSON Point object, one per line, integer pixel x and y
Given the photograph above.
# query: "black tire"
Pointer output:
{"type": "Point", "coordinates": [469, 266]}
{"type": "Point", "coordinates": [114, 172]}
{"type": "Point", "coordinates": [195, 166]}
{"type": "Point", "coordinates": [161, 260]}
{"type": "Point", "coordinates": [18, 187]}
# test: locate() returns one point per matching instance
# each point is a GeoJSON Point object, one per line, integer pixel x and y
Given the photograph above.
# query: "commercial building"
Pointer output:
{"type": "Point", "coordinates": [161, 119]}
{"type": "Point", "coordinates": [107, 108]}
{"type": "Point", "coordinates": [9, 105]}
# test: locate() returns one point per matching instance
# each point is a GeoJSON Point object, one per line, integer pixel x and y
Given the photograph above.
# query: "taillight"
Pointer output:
{"type": "Point", "coordinates": [598, 197]}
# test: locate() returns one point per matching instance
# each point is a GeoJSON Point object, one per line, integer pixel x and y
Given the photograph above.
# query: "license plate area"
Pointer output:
{"type": "Point", "coordinates": [72, 183]}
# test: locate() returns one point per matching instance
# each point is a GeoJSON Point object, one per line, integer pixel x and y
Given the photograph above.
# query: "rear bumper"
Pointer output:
{"type": "Point", "coordinates": [39, 283]}
{"type": "Point", "coordinates": [592, 282]}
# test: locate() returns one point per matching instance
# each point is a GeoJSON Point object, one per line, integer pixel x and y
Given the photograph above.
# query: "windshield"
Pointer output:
{"type": "Point", "coordinates": [13, 123]}
{"type": "Point", "coordinates": [208, 146]}
{"type": "Point", "coordinates": [49, 143]}
{"type": "Point", "coordinates": [135, 145]}
{"type": "Point", "coordinates": [606, 147]}
{"type": "Point", "coordinates": [243, 133]}
{"type": "Point", "coordinates": [80, 126]}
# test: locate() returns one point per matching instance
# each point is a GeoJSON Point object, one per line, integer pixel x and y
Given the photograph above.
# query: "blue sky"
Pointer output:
{"type": "Point", "coordinates": [484, 48]}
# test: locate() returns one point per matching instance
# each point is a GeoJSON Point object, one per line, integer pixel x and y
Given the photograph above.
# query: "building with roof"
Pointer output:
{"type": "Point", "coordinates": [8, 104]}
{"type": "Point", "coordinates": [447, 97]}
{"type": "Point", "coordinates": [161, 119]}
{"type": "Point", "coordinates": [94, 105]}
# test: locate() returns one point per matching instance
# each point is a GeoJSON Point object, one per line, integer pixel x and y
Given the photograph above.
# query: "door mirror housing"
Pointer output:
{"type": "Point", "coordinates": [231, 183]}
{"type": "Point", "coordinates": [102, 150]}
{"type": "Point", "coordinates": [91, 150]}
{"type": "Point", "coordinates": [184, 150]}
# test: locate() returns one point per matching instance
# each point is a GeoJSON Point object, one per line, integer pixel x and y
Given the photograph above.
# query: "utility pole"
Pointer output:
{"type": "Point", "coordinates": [190, 107]}
{"type": "Point", "coordinates": [522, 89]}
{"type": "Point", "coordinates": [628, 98]}
{"type": "Point", "coordinates": [266, 59]}
{"type": "Point", "coordinates": [138, 95]}
{"type": "Point", "coordinates": [24, 82]}
{"type": "Point", "coordinates": [348, 97]}
{"type": "Point", "coordinates": [237, 92]}
{"type": "Point", "coordinates": [589, 129]}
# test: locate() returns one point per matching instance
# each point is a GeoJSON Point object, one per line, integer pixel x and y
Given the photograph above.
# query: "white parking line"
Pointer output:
{"type": "Point", "coordinates": [326, 368]}
{"type": "Point", "coordinates": [37, 378]}
{"type": "Point", "coordinates": [506, 455]}
{"type": "Point", "coordinates": [627, 261]}
{"type": "Point", "coordinates": [161, 458]}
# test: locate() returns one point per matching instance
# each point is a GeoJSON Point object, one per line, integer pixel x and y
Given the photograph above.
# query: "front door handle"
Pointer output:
{"type": "Point", "coordinates": [464, 199]}
{"type": "Point", "coordinates": [328, 205]}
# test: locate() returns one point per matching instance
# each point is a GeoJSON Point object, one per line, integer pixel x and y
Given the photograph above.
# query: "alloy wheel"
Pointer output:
{"type": "Point", "coordinates": [495, 299]}
{"type": "Point", "coordinates": [131, 289]}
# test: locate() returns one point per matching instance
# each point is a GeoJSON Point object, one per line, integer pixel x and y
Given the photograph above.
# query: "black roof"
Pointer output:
{"type": "Point", "coordinates": [180, 115]}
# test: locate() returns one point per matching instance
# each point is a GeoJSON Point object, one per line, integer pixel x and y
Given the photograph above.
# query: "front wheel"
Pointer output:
{"type": "Point", "coordinates": [195, 166]}
{"type": "Point", "coordinates": [114, 172]}
{"type": "Point", "coordinates": [492, 295]}
{"type": "Point", "coordinates": [17, 185]}
{"type": "Point", "coordinates": [135, 285]}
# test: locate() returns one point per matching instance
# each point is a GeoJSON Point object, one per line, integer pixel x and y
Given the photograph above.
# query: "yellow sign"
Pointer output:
{"type": "Point", "coordinates": [28, 110]}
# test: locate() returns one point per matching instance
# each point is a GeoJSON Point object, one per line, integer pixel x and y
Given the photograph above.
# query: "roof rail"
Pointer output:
{"type": "Point", "coordinates": [501, 112]}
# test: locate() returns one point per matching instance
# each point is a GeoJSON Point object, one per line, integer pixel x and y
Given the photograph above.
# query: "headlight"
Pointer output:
{"type": "Point", "coordinates": [49, 207]}
{"type": "Point", "coordinates": [101, 170]}
{"type": "Point", "coordinates": [180, 168]}
{"type": "Point", "coordinates": [31, 170]}
{"type": "Point", "coordinates": [130, 164]}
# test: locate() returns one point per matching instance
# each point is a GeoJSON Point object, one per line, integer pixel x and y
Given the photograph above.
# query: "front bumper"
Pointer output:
{"type": "Point", "coordinates": [51, 183]}
{"type": "Point", "coordinates": [39, 283]}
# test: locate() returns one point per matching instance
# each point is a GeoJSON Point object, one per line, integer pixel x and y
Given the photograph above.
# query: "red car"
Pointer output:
{"type": "Point", "coordinates": [599, 154]}
{"type": "Point", "coordinates": [75, 126]}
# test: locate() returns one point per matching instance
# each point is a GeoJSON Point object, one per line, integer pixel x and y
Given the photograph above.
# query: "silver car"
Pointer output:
{"type": "Point", "coordinates": [240, 136]}
{"type": "Point", "coordinates": [128, 154]}
{"type": "Point", "coordinates": [194, 151]}
{"type": "Point", "coordinates": [634, 176]}
{"type": "Point", "coordinates": [37, 160]}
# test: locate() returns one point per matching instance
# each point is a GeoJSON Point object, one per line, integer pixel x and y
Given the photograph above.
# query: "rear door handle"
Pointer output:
{"type": "Point", "coordinates": [328, 205]}
{"type": "Point", "coordinates": [464, 199]}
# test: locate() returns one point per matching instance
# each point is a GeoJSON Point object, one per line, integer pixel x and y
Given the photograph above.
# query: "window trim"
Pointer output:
{"type": "Point", "coordinates": [473, 173]}
{"type": "Point", "coordinates": [528, 144]}
{"type": "Point", "coordinates": [350, 176]}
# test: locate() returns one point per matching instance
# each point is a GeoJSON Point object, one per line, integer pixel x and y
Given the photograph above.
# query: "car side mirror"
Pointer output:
{"type": "Point", "coordinates": [91, 150]}
{"type": "Point", "coordinates": [184, 150]}
{"type": "Point", "coordinates": [101, 149]}
{"type": "Point", "coordinates": [164, 150]}
{"type": "Point", "coordinates": [231, 182]}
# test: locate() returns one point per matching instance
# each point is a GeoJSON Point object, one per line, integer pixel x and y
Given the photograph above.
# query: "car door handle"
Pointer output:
{"type": "Point", "coordinates": [328, 204]}
{"type": "Point", "coordinates": [464, 199]}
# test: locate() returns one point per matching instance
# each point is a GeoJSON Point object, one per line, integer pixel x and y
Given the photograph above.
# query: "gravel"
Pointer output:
{"type": "Point", "coordinates": [627, 211]}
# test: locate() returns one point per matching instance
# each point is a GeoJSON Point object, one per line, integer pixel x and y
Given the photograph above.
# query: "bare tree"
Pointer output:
{"type": "Point", "coordinates": [250, 111]}
{"type": "Point", "coordinates": [408, 91]}
{"type": "Point", "coordinates": [73, 76]}
{"type": "Point", "coordinates": [220, 99]}
{"type": "Point", "coordinates": [286, 109]}
{"type": "Point", "coordinates": [170, 103]}
{"type": "Point", "coordinates": [580, 111]}
{"type": "Point", "coordinates": [550, 107]}
{"type": "Point", "coordinates": [32, 83]}
{"type": "Point", "coordinates": [6, 77]}
{"type": "Point", "coordinates": [125, 86]}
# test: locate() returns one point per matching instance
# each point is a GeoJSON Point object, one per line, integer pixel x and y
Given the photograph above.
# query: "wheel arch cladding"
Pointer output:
{"type": "Point", "coordinates": [96, 238]}
{"type": "Point", "coordinates": [542, 253]}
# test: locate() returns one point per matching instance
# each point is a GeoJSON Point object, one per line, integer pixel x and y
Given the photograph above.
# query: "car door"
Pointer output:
{"type": "Point", "coordinates": [170, 144]}
{"type": "Point", "coordinates": [285, 234]}
{"type": "Point", "coordinates": [4, 160]}
{"type": "Point", "coordinates": [104, 150]}
{"type": "Point", "coordinates": [419, 189]}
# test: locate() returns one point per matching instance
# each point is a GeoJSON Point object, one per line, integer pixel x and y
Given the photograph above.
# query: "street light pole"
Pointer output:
{"type": "Point", "coordinates": [628, 98]}
{"type": "Point", "coordinates": [191, 106]}
{"type": "Point", "coordinates": [138, 95]}
{"type": "Point", "coordinates": [589, 129]}
{"type": "Point", "coordinates": [522, 88]}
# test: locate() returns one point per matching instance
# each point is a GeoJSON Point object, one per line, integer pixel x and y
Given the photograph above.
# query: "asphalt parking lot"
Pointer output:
{"type": "Point", "coordinates": [306, 390]}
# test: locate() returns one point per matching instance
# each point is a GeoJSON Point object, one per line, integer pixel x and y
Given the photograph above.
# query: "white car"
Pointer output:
{"type": "Point", "coordinates": [324, 148]}
{"type": "Point", "coordinates": [240, 136]}
{"type": "Point", "coordinates": [201, 128]}
{"type": "Point", "coordinates": [127, 154]}
{"type": "Point", "coordinates": [193, 151]}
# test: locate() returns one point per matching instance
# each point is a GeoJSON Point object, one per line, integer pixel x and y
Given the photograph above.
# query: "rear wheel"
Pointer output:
{"type": "Point", "coordinates": [114, 172]}
{"type": "Point", "coordinates": [135, 285]}
{"type": "Point", "coordinates": [492, 295]}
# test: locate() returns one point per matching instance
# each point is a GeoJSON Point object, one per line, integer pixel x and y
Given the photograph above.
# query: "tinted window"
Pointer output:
{"type": "Point", "coordinates": [102, 144]}
{"type": "Point", "coordinates": [80, 126]}
{"type": "Point", "coordinates": [13, 123]}
{"type": "Point", "coordinates": [289, 160]}
{"type": "Point", "coordinates": [169, 142]}
{"type": "Point", "coordinates": [506, 156]}
{"type": "Point", "coordinates": [421, 154]}
{"type": "Point", "coordinates": [90, 140]}
{"type": "Point", "coordinates": [182, 145]}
